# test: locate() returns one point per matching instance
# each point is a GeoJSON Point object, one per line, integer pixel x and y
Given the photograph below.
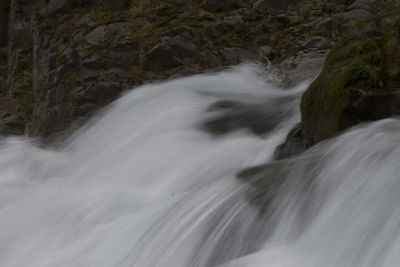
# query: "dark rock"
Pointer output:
{"type": "Point", "coordinates": [258, 116]}
{"type": "Point", "coordinates": [228, 24]}
{"type": "Point", "coordinates": [212, 5]}
{"type": "Point", "coordinates": [96, 61]}
{"type": "Point", "coordinates": [370, 106]}
{"type": "Point", "coordinates": [272, 6]}
{"type": "Point", "coordinates": [119, 73]}
{"type": "Point", "coordinates": [122, 29]}
{"type": "Point", "coordinates": [103, 34]}
{"type": "Point", "coordinates": [12, 125]}
{"type": "Point", "coordinates": [56, 6]}
{"type": "Point", "coordinates": [106, 90]}
{"type": "Point", "coordinates": [123, 57]}
{"type": "Point", "coordinates": [98, 35]}
{"type": "Point", "coordinates": [171, 52]}
{"type": "Point", "coordinates": [347, 91]}
{"type": "Point", "coordinates": [4, 18]}
{"type": "Point", "coordinates": [89, 74]}
{"type": "Point", "coordinates": [21, 34]}
{"type": "Point", "coordinates": [293, 145]}
{"type": "Point", "coordinates": [234, 55]}
{"type": "Point", "coordinates": [397, 30]}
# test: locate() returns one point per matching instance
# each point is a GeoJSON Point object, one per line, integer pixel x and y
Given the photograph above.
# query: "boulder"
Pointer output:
{"type": "Point", "coordinates": [259, 116]}
{"type": "Point", "coordinates": [360, 82]}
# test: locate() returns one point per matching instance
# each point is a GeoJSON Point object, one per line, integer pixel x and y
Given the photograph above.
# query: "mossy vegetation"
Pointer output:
{"type": "Point", "coordinates": [364, 59]}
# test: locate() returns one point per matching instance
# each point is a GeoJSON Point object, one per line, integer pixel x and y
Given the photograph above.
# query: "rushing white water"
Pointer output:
{"type": "Point", "coordinates": [140, 185]}
{"type": "Point", "coordinates": [143, 185]}
{"type": "Point", "coordinates": [340, 204]}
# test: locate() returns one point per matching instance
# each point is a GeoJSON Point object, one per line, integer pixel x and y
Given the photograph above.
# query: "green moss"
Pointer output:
{"type": "Point", "coordinates": [359, 60]}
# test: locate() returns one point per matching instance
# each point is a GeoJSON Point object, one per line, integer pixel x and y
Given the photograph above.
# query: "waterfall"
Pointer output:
{"type": "Point", "coordinates": [143, 184]}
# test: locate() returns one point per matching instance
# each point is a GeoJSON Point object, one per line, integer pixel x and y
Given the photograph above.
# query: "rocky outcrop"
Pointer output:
{"type": "Point", "coordinates": [360, 82]}
{"type": "Point", "coordinates": [65, 58]}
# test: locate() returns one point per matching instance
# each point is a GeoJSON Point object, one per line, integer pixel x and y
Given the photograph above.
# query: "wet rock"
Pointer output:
{"type": "Point", "coordinates": [370, 106]}
{"type": "Point", "coordinates": [352, 86]}
{"type": "Point", "coordinates": [309, 62]}
{"type": "Point", "coordinates": [264, 52]}
{"type": "Point", "coordinates": [257, 116]}
{"type": "Point", "coordinates": [293, 145]}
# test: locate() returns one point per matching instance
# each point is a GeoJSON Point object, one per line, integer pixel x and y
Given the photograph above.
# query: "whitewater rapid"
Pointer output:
{"type": "Point", "coordinates": [142, 184]}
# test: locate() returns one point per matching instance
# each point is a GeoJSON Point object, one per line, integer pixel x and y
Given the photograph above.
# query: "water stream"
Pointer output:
{"type": "Point", "coordinates": [142, 184]}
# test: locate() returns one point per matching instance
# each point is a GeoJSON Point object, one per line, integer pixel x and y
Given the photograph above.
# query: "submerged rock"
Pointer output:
{"type": "Point", "coordinates": [259, 117]}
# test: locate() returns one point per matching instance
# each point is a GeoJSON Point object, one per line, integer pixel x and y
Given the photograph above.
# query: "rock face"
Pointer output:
{"type": "Point", "coordinates": [273, 6]}
{"type": "Point", "coordinates": [360, 81]}
{"type": "Point", "coordinates": [61, 60]}
{"type": "Point", "coordinates": [171, 52]}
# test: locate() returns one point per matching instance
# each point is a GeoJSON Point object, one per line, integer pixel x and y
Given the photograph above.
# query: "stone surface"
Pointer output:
{"type": "Point", "coordinates": [55, 6]}
{"type": "Point", "coordinates": [65, 58]}
{"type": "Point", "coordinates": [272, 6]}
{"type": "Point", "coordinates": [360, 82]}
{"type": "Point", "coordinates": [171, 52]}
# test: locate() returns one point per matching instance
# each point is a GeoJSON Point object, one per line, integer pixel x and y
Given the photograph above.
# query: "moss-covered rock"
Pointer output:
{"type": "Point", "coordinates": [365, 61]}
{"type": "Point", "coordinates": [360, 81]}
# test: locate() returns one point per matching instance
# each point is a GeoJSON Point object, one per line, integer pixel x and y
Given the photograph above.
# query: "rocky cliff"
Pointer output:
{"type": "Point", "coordinates": [62, 59]}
